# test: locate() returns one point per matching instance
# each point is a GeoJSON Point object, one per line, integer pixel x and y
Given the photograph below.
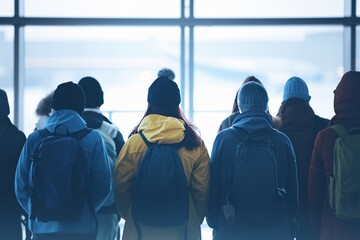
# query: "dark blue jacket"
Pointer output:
{"type": "Point", "coordinates": [222, 158]}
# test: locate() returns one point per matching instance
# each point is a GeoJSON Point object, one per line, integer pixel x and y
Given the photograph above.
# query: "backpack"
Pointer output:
{"type": "Point", "coordinates": [160, 195]}
{"type": "Point", "coordinates": [344, 188]}
{"type": "Point", "coordinates": [58, 177]}
{"type": "Point", "coordinates": [254, 197]}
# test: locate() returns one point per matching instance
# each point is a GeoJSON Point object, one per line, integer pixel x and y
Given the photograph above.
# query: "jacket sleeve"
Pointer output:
{"type": "Point", "coordinates": [124, 174]}
{"type": "Point", "coordinates": [200, 183]}
{"type": "Point", "coordinates": [22, 176]}
{"type": "Point", "coordinates": [316, 190]}
{"type": "Point", "coordinates": [213, 214]}
{"type": "Point", "coordinates": [100, 173]}
{"type": "Point", "coordinates": [292, 184]}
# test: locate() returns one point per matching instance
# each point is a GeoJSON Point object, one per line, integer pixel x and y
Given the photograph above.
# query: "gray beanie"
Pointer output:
{"type": "Point", "coordinates": [295, 87]}
{"type": "Point", "coordinates": [252, 97]}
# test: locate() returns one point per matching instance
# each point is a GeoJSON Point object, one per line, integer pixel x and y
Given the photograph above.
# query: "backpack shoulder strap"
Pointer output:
{"type": "Point", "coordinates": [240, 133]}
{"type": "Point", "coordinates": [145, 140]}
{"type": "Point", "coordinates": [81, 133]}
{"type": "Point", "coordinates": [340, 130]}
{"type": "Point", "coordinates": [44, 132]}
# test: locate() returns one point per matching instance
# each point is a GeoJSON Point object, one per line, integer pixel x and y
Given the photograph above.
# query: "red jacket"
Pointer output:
{"type": "Point", "coordinates": [325, 225]}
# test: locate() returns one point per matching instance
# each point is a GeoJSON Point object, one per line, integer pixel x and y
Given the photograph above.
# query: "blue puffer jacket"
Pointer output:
{"type": "Point", "coordinates": [100, 175]}
{"type": "Point", "coordinates": [222, 158]}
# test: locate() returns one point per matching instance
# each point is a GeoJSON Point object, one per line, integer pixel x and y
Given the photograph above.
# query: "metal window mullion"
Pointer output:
{"type": "Point", "coordinates": [18, 66]}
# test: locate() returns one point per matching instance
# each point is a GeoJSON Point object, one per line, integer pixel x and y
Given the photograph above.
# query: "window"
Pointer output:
{"type": "Point", "coordinates": [7, 8]}
{"type": "Point", "coordinates": [225, 56]}
{"type": "Point", "coordinates": [103, 8]}
{"type": "Point", "coordinates": [268, 9]}
{"type": "Point", "coordinates": [125, 61]}
{"type": "Point", "coordinates": [6, 65]}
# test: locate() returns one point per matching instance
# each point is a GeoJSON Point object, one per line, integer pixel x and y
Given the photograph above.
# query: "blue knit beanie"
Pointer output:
{"type": "Point", "coordinates": [295, 87]}
{"type": "Point", "coordinates": [252, 97]}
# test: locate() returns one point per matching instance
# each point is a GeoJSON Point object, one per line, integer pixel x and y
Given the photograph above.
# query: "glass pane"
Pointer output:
{"type": "Point", "coordinates": [7, 8]}
{"type": "Point", "coordinates": [7, 66]}
{"type": "Point", "coordinates": [124, 60]}
{"type": "Point", "coordinates": [357, 48]}
{"type": "Point", "coordinates": [103, 8]}
{"type": "Point", "coordinates": [260, 8]}
{"type": "Point", "coordinates": [225, 56]}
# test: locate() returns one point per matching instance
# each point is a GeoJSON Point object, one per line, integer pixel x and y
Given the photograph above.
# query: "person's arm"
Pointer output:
{"type": "Point", "coordinates": [124, 175]}
{"type": "Point", "coordinates": [213, 214]}
{"type": "Point", "coordinates": [292, 188]}
{"type": "Point", "coordinates": [100, 172]}
{"type": "Point", "coordinates": [22, 176]}
{"type": "Point", "coordinates": [316, 190]}
{"type": "Point", "coordinates": [200, 183]}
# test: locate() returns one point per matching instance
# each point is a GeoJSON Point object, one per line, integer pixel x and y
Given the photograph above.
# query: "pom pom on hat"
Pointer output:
{"type": "Point", "coordinates": [295, 87]}
{"type": "Point", "coordinates": [252, 97]}
{"type": "Point", "coordinates": [68, 95]}
{"type": "Point", "coordinates": [164, 93]}
{"type": "Point", "coordinates": [166, 72]}
{"type": "Point", "coordinates": [94, 96]}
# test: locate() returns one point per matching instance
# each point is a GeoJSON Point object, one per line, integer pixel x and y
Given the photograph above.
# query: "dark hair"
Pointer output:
{"type": "Point", "coordinates": [192, 138]}
{"type": "Point", "coordinates": [44, 106]}
{"type": "Point", "coordinates": [235, 108]}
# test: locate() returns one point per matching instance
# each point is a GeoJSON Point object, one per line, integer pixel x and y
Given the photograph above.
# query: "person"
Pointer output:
{"type": "Point", "coordinates": [11, 143]}
{"type": "Point", "coordinates": [107, 216]}
{"type": "Point", "coordinates": [67, 102]}
{"type": "Point", "coordinates": [226, 212]}
{"type": "Point", "coordinates": [227, 122]}
{"type": "Point", "coordinates": [43, 111]}
{"type": "Point", "coordinates": [298, 121]}
{"type": "Point", "coordinates": [164, 123]}
{"type": "Point", "coordinates": [324, 224]}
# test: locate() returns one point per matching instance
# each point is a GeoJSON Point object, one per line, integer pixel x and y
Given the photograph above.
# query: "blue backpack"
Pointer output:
{"type": "Point", "coordinates": [58, 177]}
{"type": "Point", "coordinates": [254, 196]}
{"type": "Point", "coordinates": [161, 194]}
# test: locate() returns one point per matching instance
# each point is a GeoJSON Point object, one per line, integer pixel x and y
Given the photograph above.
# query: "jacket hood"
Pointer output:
{"type": "Point", "coordinates": [253, 121]}
{"type": "Point", "coordinates": [295, 114]}
{"type": "Point", "coordinates": [162, 129]}
{"type": "Point", "coordinates": [347, 97]}
{"type": "Point", "coordinates": [70, 118]}
{"type": "Point", "coordinates": [347, 100]}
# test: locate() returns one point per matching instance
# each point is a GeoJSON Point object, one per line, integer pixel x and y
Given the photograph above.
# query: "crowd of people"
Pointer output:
{"type": "Point", "coordinates": [267, 177]}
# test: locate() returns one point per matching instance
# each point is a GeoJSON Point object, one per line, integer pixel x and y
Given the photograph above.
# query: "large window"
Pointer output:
{"type": "Point", "coordinates": [6, 64]}
{"type": "Point", "coordinates": [269, 8]}
{"type": "Point", "coordinates": [103, 8]}
{"type": "Point", "coordinates": [225, 56]}
{"type": "Point", "coordinates": [211, 45]}
{"type": "Point", "coordinates": [124, 60]}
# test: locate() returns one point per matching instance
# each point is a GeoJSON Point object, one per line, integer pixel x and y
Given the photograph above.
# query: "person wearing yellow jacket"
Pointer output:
{"type": "Point", "coordinates": [164, 122]}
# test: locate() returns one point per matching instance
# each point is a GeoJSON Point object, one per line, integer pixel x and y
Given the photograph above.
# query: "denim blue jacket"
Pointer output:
{"type": "Point", "coordinates": [99, 175]}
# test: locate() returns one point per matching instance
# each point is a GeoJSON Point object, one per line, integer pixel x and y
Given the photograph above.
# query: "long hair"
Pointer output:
{"type": "Point", "coordinates": [235, 108]}
{"type": "Point", "coordinates": [192, 138]}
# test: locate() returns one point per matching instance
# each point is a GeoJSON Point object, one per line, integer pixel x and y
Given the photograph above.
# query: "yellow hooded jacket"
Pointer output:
{"type": "Point", "coordinates": [161, 129]}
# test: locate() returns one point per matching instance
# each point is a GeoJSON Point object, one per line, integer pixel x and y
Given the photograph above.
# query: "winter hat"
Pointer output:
{"type": "Point", "coordinates": [164, 92]}
{"type": "Point", "coordinates": [295, 87]}
{"type": "Point", "coordinates": [166, 72]}
{"type": "Point", "coordinates": [252, 97]}
{"type": "Point", "coordinates": [94, 96]}
{"type": "Point", "coordinates": [4, 105]}
{"type": "Point", "coordinates": [68, 95]}
{"type": "Point", "coordinates": [347, 97]}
